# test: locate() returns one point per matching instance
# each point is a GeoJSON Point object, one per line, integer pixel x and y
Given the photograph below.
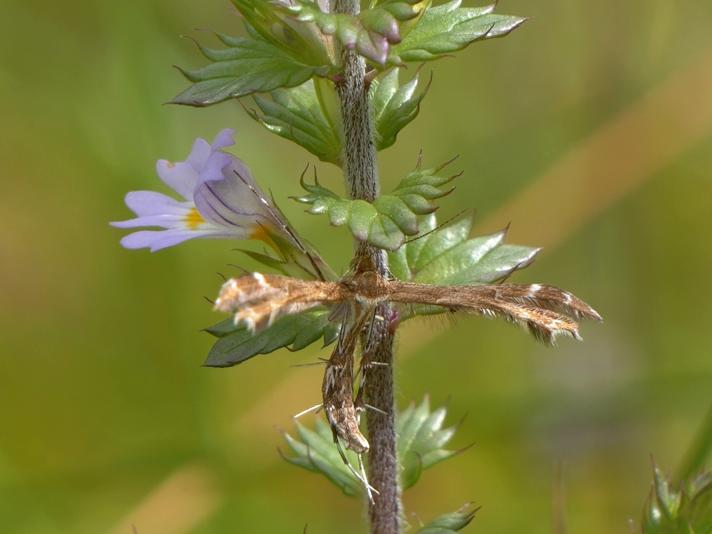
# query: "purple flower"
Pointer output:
{"type": "Point", "coordinates": [220, 199]}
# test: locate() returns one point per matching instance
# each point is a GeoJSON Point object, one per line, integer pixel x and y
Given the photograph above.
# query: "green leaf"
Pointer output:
{"type": "Point", "coordinates": [317, 452]}
{"type": "Point", "coordinates": [296, 114]}
{"type": "Point", "coordinates": [302, 40]}
{"type": "Point", "coordinates": [452, 522]}
{"type": "Point", "coordinates": [236, 344]}
{"type": "Point", "coordinates": [447, 256]}
{"type": "Point", "coordinates": [386, 221]}
{"type": "Point", "coordinates": [247, 65]}
{"type": "Point", "coordinates": [393, 106]}
{"type": "Point", "coordinates": [447, 28]}
{"type": "Point", "coordinates": [421, 439]}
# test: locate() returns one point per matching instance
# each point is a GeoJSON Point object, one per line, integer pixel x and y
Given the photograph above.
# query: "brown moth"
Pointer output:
{"type": "Point", "coordinates": [338, 384]}
{"type": "Point", "coordinates": [257, 300]}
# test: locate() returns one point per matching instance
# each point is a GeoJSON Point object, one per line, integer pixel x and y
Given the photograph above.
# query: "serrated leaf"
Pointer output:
{"type": "Point", "coordinates": [296, 114]}
{"type": "Point", "coordinates": [420, 436]}
{"type": "Point", "coordinates": [447, 28]}
{"type": "Point", "coordinates": [421, 439]}
{"type": "Point", "coordinates": [246, 66]}
{"type": "Point", "coordinates": [447, 256]}
{"type": "Point", "coordinates": [267, 20]}
{"type": "Point", "coordinates": [393, 106]}
{"type": "Point", "coordinates": [385, 222]}
{"type": "Point", "coordinates": [317, 452]}
{"type": "Point", "coordinates": [452, 522]}
{"type": "Point", "coordinates": [236, 344]}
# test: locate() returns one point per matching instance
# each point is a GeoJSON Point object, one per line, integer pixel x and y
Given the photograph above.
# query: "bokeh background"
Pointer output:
{"type": "Point", "coordinates": [589, 129]}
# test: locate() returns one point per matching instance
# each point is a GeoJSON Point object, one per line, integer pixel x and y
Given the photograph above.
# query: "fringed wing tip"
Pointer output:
{"type": "Point", "coordinates": [548, 335]}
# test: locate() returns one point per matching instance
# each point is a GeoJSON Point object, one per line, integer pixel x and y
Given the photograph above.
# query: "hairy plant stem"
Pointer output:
{"type": "Point", "coordinates": [361, 174]}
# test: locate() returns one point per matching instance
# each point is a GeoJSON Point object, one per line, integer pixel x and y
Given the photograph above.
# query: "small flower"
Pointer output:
{"type": "Point", "coordinates": [220, 200]}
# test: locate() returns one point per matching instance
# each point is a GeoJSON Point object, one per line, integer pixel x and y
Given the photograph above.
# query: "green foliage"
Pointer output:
{"type": "Point", "coordinates": [316, 452]}
{"type": "Point", "coordinates": [421, 439]}
{"type": "Point", "coordinates": [298, 114]}
{"type": "Point", "coordinates": [289, 44]}
{"type": "Point", "coordinates": [248, 65]}
{"type": "Point", "coordinates": [302, 40]}
{"type": "Point", "coordinates": [236, 344]}
{"type": "Point", "coordinates": [447, 28]}
{"type": "Point", "coordinates": [387, 220]}
{"type": "Point", "coordinates": [447, 256]}
{"type": "Point", "coordinates": [393, 105]}
{"type": "Point", "coordinates": [452, 522]}
{"type": "Point", "coordinates": [679, 511]}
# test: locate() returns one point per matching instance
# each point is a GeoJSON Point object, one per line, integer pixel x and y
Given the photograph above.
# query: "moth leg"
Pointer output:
{"type": "Point", "coordinates": [370, 490]}
{"type": "Point", "coordinates": [314, 408]}
{"type": "Point", "coordinates": [372, 407]}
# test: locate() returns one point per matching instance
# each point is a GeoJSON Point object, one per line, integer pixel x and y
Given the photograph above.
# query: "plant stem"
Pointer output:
{"type": "Point", "coordinates": [361, 174]}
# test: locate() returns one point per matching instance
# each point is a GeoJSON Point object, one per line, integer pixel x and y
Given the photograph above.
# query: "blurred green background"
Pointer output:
{"type": "Point", "coordinates": [590, 129]}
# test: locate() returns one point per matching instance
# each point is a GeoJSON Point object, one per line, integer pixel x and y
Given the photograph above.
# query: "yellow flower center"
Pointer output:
{"type": "Point", "coordinates": [193, 219]}
{"type": "Point", "coordinates": [260, 234]}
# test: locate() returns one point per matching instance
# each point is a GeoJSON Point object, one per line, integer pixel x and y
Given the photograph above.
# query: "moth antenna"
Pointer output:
{"type": "Point", "coordinates": [210, 301]}
{"type": "Point", "coordinates": [419, 161]}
